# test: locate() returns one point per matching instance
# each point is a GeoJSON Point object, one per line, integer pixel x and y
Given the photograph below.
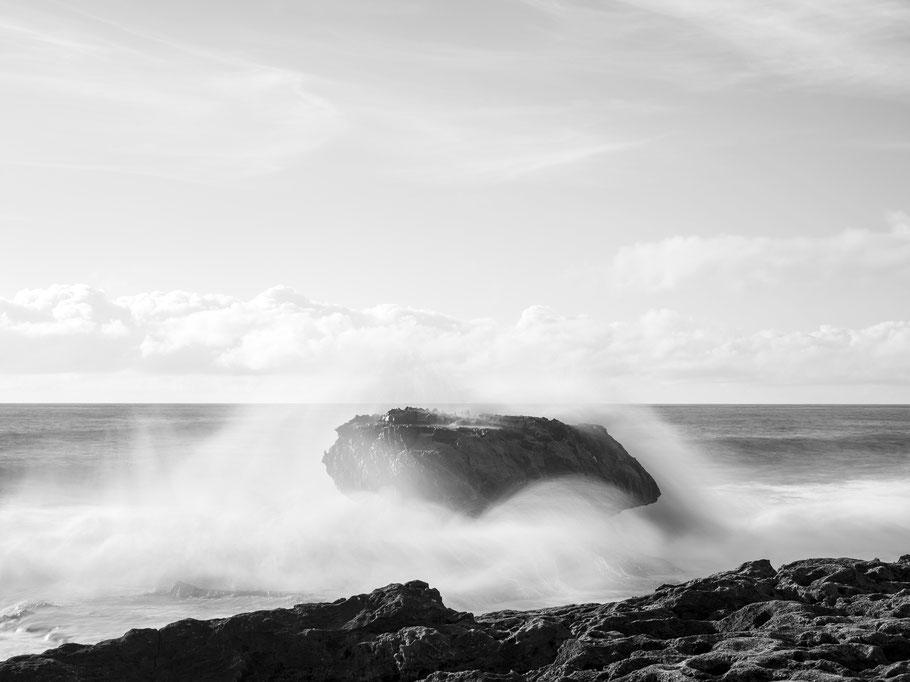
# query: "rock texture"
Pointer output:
{"type": "Point", "coordinates": [468, 463]}
{"type": "Point", "coordinates": [818, 619]}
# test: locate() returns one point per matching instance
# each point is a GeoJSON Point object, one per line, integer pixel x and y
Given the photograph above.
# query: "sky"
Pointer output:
{"type": "Point", "coordinates": [439, 201]}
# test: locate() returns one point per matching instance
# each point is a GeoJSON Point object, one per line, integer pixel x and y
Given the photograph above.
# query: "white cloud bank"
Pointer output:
{"type": "Point", "coordinates": [742, 260]}
{"type": "Point", "coordinates": [286, 347]}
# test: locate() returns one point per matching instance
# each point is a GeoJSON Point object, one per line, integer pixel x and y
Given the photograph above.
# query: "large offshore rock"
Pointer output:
{"type": "Point", "coordinates": [469, 463]}
{"type": "Point", "coordinates": [816, 619]}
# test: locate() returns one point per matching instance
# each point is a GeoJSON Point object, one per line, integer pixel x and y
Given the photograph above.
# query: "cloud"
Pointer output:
{"type": "Point", "coordinates": [509, 158]}
{"type": "Point", "coordinates": [488, 144]}
{"type": "Point", "coordinates": [823, 42]}
{"type": "Point", "coordinates": [847, 44]}
{"type": "Point", "coordinates": [740, 260]}
{"type": "Point", "coordinates": [84, 93]}
{"type": "Point", "coordinates": [518, 164]}
{"type": "Point", "coordinates": [320, 351]}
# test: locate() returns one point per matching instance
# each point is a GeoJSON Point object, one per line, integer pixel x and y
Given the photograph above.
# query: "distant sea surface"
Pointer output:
{"type": "Point", "coordinates": [108, 513]}
{"type": "Point", "coordinates": [799, 443]}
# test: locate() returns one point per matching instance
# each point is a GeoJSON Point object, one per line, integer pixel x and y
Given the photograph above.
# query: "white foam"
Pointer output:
{"type": "Point", "coordinates": [252, 508]}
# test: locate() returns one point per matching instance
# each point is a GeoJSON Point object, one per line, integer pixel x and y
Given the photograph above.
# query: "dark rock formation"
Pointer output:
{"type": "Point", "coordinates": [818, 619]}
{"type": "Point", "coordinates": [468, 463]}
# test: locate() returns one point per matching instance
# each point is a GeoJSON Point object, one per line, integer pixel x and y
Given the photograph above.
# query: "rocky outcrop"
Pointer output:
{"type": "Point", "coordinates": [818, 619]}
{"type": "Point", "coordinates": [469, 463]}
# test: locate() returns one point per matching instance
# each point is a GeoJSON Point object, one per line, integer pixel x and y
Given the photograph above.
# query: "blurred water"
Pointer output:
{"type": "Point", "coordinates": [799, 443]}
{"type": "Point", "coordinates": [104, 507]}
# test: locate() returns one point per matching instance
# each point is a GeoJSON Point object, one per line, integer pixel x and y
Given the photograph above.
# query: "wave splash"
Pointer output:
{"type": "Point", "coordinates": [251, 508]}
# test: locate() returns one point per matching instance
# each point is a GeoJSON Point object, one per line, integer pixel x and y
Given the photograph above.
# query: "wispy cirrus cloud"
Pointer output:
{"type": "Point", "coordinates": [392, 352]}
{"type": "Point", "coordinates": [485, 137]}
{"type": "Point", "coordinates": [86, 92]}
{"type": "Point", "coordinates": [853, 43]}
{"type": "Point", "coordinates": [453, 153]}
{"type": "Point", "coordinates": [81, 92]}
{"type": "Point", "coordinates": [739, 260]}
{"type": "Point", "coordinates": [836, 43]}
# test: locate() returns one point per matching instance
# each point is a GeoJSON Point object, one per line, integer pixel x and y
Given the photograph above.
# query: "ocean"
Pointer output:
{"type": "Point", "coordinates": [121, 516]}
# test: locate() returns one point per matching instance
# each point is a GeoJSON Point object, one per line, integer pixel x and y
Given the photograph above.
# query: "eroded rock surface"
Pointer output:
{"type": "Point", "coordinates": [817, 619]}
{"type": "Point", "coordinates": [469, 463]}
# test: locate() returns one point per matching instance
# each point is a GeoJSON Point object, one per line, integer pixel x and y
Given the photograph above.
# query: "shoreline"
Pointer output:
{"type": "Point", "coordinates": [814, 619]}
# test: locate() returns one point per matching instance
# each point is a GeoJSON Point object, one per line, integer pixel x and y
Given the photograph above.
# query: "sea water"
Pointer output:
{"type": "Point", "coordinates": [110, 513]}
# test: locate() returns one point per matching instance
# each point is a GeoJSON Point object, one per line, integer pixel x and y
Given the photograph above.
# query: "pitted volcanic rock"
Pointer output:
{"type": "Point", "coordinates": [816, 619]}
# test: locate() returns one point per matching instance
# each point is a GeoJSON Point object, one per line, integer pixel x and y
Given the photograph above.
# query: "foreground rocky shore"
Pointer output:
{"type": "Point", "coordinates": [817, 619]}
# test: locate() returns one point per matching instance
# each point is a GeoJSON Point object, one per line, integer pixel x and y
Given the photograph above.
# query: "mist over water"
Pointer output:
{"type": "Point", "coordinates": [763, 497]}
{"type": "Point", "coordinates": [95, 529]}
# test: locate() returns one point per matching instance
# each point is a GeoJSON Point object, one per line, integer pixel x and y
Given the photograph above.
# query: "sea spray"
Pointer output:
{"type": "Point", "coordinates": [248, 506]}
{"type": "Point", "coordinates": [841, 502]}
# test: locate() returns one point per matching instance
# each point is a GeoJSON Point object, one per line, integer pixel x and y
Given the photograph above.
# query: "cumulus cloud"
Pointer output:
{"type": "Point", "coordinates": [668, 263]}
{"type": "Point", "coordinates": [388, 352]}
